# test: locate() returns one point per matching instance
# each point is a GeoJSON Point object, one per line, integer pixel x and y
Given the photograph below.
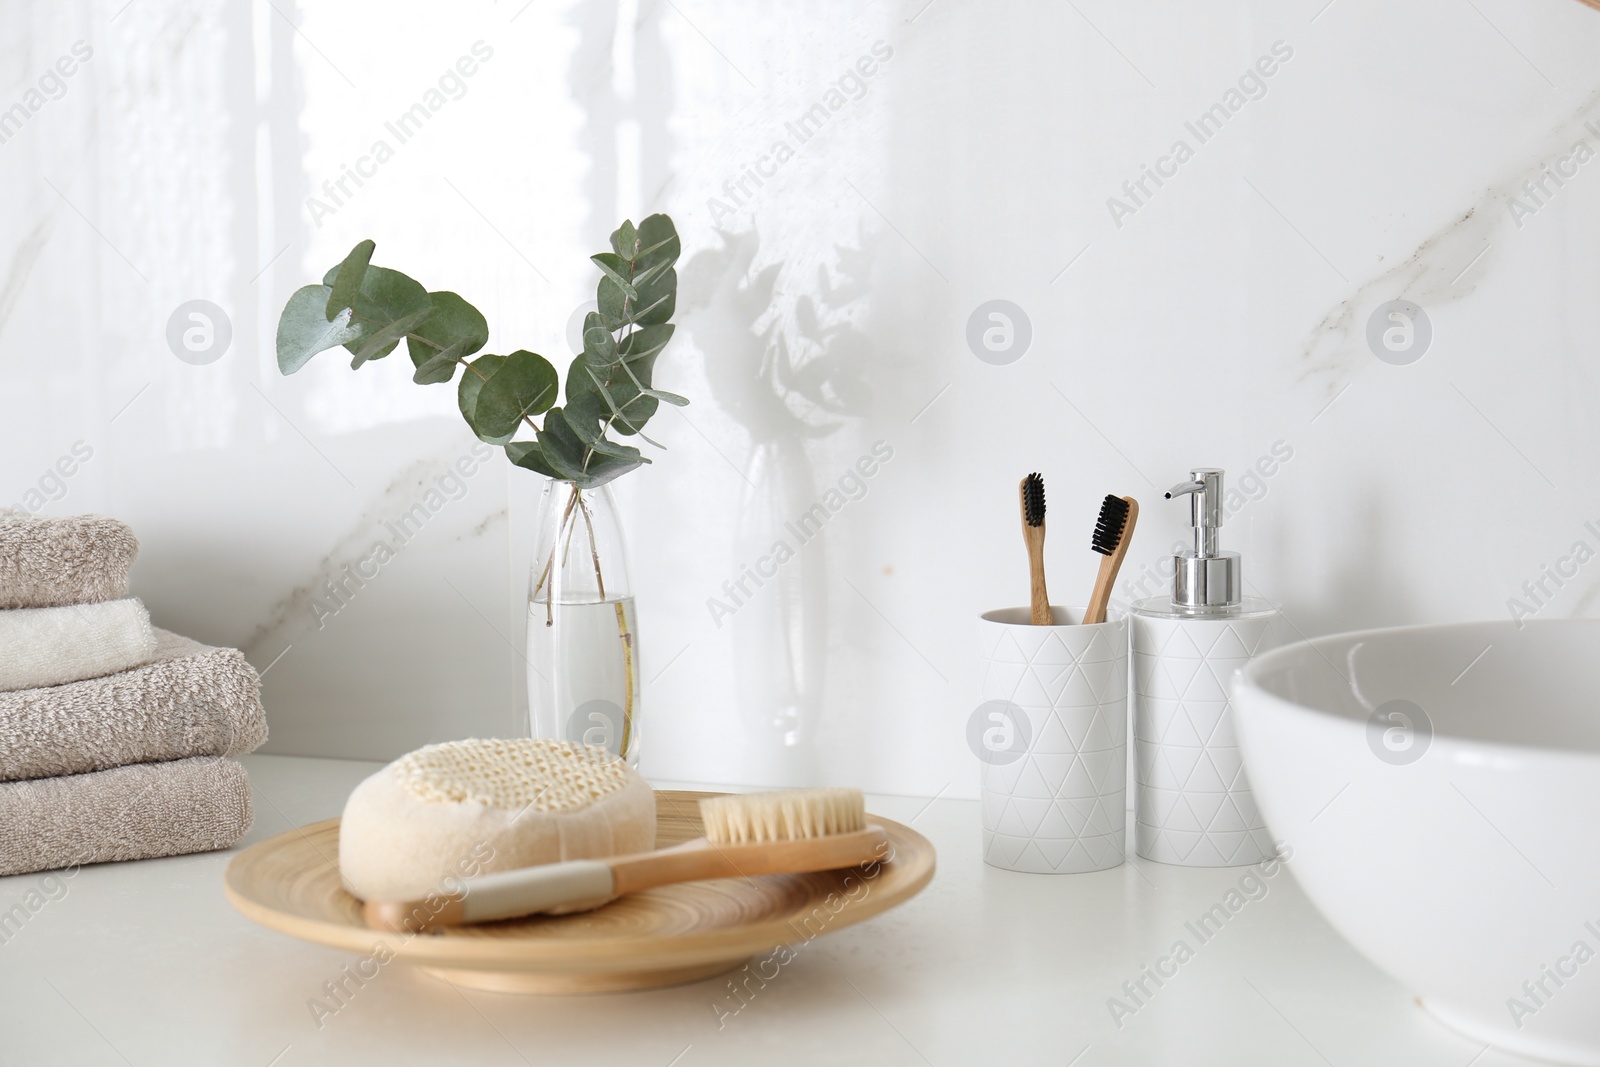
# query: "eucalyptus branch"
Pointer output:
{"type": "Point", "coordinates": [461, 361]}
{"type": "Point", "coordinates": [370, 310]}
{"type": "Point", "coordinates": [632, 327]}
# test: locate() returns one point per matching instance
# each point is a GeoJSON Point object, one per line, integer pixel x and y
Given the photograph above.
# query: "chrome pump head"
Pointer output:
{"type": "Point", "coordinates": [1206, 577]}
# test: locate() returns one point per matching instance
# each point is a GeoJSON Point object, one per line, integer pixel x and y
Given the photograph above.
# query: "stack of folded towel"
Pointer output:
{"type": "Point", "coordinates": [114, 736]}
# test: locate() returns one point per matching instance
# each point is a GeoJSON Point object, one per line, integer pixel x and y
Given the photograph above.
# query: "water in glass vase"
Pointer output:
{"type": "Point", "coordinates": [583, 637]}
{"type": "Point", "coordinates": [583, 673]}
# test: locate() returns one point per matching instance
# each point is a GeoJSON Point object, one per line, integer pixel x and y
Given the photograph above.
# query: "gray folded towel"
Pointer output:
{"type": "Point", "coordinates": [45, 562]}
{"type": "Point", "coordinates": [193, 700]}
{"type": "Point", "coordinates": [127, 813]}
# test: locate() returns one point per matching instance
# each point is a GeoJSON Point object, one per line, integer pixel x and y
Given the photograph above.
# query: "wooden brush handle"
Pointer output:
{"type": "Point", "coordinates": [699, 859]}
{"type": "Point", "coordinates": [1109, 566]}
{"type": "Point", "coordinates": [1039, 598]}
{"type": "Point", "coordinates": [579, 884]}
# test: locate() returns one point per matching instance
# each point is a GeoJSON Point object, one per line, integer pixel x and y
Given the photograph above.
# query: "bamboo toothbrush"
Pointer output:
{"type": "Point", "coordinates": [790, 831]}
{"type": "Point", "coordinates": [1112, 532]}
{"type": "Point", "coordinates": [1032, 490]}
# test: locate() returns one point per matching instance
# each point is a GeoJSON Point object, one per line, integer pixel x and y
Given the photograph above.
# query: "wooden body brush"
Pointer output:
{"type": "Point", "coordinates": [1032, 492]}
{"type": "Point", "coordinates": [786, 832]}
{"type": "Point", "coordinates": [1112, 533]}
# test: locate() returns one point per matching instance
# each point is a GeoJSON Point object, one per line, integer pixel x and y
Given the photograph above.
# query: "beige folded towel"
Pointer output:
{"type": "Point", "coordinates": [127, 813]}
{"type": "Point", "coordinates": [48, 562]}
{"type": "Point", "coordinates": [52, 646]}
{"type": "Point", "coordinates": [193, 700]}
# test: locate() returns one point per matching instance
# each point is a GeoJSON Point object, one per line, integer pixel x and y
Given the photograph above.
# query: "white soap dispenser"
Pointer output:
{"type": "Point", "coordinates": [1192, 802]}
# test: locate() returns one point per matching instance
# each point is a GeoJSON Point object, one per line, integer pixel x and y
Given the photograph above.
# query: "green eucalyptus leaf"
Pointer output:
{"type": "Point", "coordinates": [601, 469]}
{"type": "Point", "coordinates": [567, 454]}
{"type": "Point", "coordinates": [385, 295]}
{"type": "Point", "coordinates": [671, 398]}
{"type": "Point", "coordinates": [441, 367]}
{"type": "Point", "coordinates": [639, 286]}
{"type": "Point", "coordinates": [625, 241]}
{"type": "Point", "coordinates": [613, 304]}
{"type": "Point", "coordinates": [579, 385]}
{"type": "Point", "coordinates": [528, 454]}
{"type": "Point", "coordinates": [304, 330]}
{"type": "Point", "coordinates": [562, 448]}
{"type": "Point", "coordinates": [388, 292]}
{"type": "Point", "coordinates": [584, 419]}
{"type": "Point", "coordinates": [624, 404]}
{"type": "Point", "coordinates": [601, 389]}
{"type": "Point", "coordinates": [618, 270]}
{"type": "Point", "coordinates": [658, 246]}
{"type": "Point", "coordinates": [658, 298]}
{"type": "Point", "coordinates": [589, 409]}
{"type": "Point", "coordinates": [524, 386]}
{"type": "Point", "coordinates": [473, 378]}
{"type": "Point", "coordinates": [644, 344]}
{"type": "Point", "coordinates": [380, 343]}
{"type": "Point", "coordinates": [599, 345]}
{"type": "Point", "coordinates": [454, 321]}
{"type": "Point", "coordinates": [347, 278]}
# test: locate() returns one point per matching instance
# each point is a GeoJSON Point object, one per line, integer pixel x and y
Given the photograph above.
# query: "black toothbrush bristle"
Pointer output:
{"type": "Point", "coordinates": [1108, 531]}
{"type": "Point", "coordinates": [1033, 500]}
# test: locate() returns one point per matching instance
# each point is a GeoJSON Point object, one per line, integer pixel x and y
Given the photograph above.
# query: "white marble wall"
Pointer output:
{"type": "Point", "coordinates": [957, 153]}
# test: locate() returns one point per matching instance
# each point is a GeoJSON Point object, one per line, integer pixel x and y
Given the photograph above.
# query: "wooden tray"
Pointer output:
{"type": "Point", "coordinates": [666, 936]}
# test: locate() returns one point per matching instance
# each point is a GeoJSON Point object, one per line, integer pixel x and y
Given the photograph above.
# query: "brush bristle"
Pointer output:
{"type": "Point", "coordinates": [1033, 499]}
{"type": "Point", "coordinates": [1108, 531]}
{"type": "Point", "coordinates": [783, 815]}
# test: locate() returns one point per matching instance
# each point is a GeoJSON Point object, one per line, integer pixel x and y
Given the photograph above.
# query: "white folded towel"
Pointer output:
{"type": "Point", "coordinates": [52, 646]}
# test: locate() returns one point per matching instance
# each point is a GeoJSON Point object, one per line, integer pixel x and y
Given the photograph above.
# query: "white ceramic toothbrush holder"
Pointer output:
{"type": "Point", "coordinates": [1052, 734]}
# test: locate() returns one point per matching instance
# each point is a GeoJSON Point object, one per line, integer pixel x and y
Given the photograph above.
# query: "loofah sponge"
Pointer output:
{"type": "Point", "coordinates": [466, 808]}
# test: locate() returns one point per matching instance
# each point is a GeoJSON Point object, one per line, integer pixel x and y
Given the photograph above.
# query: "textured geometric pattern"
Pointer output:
{"type": "Point", "coordinates": [1060, 808]}
{"type": "Point", "coordinates": [1192, 803]}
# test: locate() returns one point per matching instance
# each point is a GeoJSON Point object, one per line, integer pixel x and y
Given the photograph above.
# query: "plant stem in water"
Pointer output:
{"type": "Point", "coordinates": [629, 667]}
{"type": "Point", "coordinates": [549, 565]}
{"type": "Point", "coordinates": [594, 549]}
{"type": "Point", "coordinates": [630, 676]}
{"type": "Point", "coordinates": [630, 679]}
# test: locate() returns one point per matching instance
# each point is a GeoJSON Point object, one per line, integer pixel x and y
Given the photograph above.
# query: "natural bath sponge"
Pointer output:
{"type": "Point", "coordinates": [465, 808]}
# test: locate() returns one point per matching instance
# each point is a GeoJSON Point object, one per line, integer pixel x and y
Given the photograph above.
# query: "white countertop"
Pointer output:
{"type": "Point", "coordinates": [146, 964]}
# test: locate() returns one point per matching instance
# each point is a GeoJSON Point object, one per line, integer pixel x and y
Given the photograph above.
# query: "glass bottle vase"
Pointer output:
{"type": "Point", "coordinates": [583, 644]}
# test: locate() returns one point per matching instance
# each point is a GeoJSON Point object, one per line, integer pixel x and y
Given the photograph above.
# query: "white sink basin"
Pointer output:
{"type": "Point", "coordinates": [1465, 864]}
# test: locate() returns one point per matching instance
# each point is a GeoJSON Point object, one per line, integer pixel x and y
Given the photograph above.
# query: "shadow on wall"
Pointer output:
{"type": "Point", "coordinates": [788, 379]}
{"type": "Point", "coordinates": [626, 126]}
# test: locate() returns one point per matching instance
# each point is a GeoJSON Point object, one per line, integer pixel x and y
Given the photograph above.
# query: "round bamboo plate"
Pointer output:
{"type": "Point", "coordinates": [659, 937]}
